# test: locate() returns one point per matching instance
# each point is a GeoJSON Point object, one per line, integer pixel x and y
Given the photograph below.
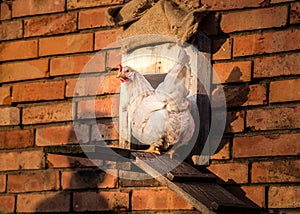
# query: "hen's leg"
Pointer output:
{"type": "Point", "coordinates": [152, 149]}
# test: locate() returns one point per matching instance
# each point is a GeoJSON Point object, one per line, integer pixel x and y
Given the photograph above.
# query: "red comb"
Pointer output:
{"type": "Point", "coordinates": [120, 68]}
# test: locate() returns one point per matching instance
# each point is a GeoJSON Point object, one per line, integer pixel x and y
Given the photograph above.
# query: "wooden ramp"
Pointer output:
{"type": "Point", "coordinates": [199, 189]}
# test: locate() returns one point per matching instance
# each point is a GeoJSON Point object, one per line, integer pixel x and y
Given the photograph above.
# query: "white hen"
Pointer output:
{"type": "Point", "coordinates": [159, 117]}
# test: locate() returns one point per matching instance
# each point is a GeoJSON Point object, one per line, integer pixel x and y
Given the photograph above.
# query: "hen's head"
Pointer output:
{"type": "Point", "coordinates": [125, 73]}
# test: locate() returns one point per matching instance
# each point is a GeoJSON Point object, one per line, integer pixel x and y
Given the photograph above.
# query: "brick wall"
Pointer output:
{"type": "Point", "coordinates": [47, 43]}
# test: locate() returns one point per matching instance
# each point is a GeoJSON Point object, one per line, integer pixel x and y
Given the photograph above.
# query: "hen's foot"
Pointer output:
{"type": "Point", "coordinates": [171, 153]}
{"type": "Point", "coordinates": [152, 149]}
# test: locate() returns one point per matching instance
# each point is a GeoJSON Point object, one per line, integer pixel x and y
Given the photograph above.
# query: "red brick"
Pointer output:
{"type": "Point", "coordinates": [50, 25]}
{"type": "Point", "coordinates": [5, 98]}
{"type": "Point", "coordinates": [38, 91]}
{"type": "Point", "coordinates": [104, 107]}
{"type": "Point", "coordinates": [88, 179]}
{"type": "Point", "coordinates": [11, 30]}
{"type": "Point", "coordinates": [158, 199]}
{"type": "Point", "coordinates": [222, 153]}
{"type": "Point", "coordinates": [9, 116]}
{"type": "Point", "coordinates": [277, 65]}
{"type": "Point", "coordinates": [231, 4]}
{"type": "Point", "coordinates": [9, 161]}
{"type": "Point", "coordinates": [268, 42]}
{"type": "Point", "coordinates": [16, 139]}
{"type": "Point", "coordinates": [238, 172]}
{"type": "Point", "coordinates": [221, 49]}
{"type": "Point", "coordinates": [49, 202]}
{"type": "Point", "coordinates": [102, 201]}
{"type": "Point", "coordinates": [275, 171]}
{"type": "Point", "coordinates": [5, 11]}
{"type": "Point", "coordinates": [2, 184]}
{"type": "Point", "coordinates": [7, 203]}
{"type": "Point", "coordinates": [105, 39]}
{"type": "Point", "coordinates": [232, 72]}
{"type": "Point", "coordinates": [254, 19]}
{"type": "Point", "coordinates": [266, 145]}
{"type": "Point", "coordinates": [274, 118]}
{"type": "Point", "coordinates": [113, 58]}
{"type": "Point", "coordinates": [235, 121]}
{"type": "Point", "coordinates": [136, 179]}
{"type": "Point", "coordinates": [92, 18]}
{"type": "Point", "coordinates": [295, 13]}
{"type": "Point", "coordinates": [245, 95]}
{"type": "Point", "coordinates": [74, 4]}
{"type": "Point", "coordinates": [255, 194]}
{"type": "Point", "coordinates": [66, 44]}
{"type": "Point", "coordinates": [63, 135]}
{"type": "Point", "coordinates": [38, 181]}
{"type": "Point", "coordinates": [291, 90]}
{"type": "Point", "coordinates": [33, 7]}
{"type": "Point", "coordinates": [55, 112]}
{"type": "Point", "coordinates": [62, 161]}
{"type": "Point", "coordinates": [77, 64]}
{"type": "Point", "coordinates": [92, 86]}
{"type": "Point", "coordinates": [18, 50]}
{"type": "Point", "coordinates": [32, 159]}
{"type": "Point", "coordinates": [284, 197]}
{"type": "Point", "coordinates": [35, 69]}
{"type": "Point", "coordinates": [105, 131]}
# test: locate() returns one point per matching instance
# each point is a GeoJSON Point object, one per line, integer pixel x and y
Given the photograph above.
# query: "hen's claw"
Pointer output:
{"type": "Point", "coordinates": [171, 153]}
{"type": "Point", "coordinates": [152, 149]}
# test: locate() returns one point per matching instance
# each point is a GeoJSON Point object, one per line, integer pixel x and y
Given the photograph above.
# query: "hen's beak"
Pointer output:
{"type": "Point", "coordinates": [120, 75]}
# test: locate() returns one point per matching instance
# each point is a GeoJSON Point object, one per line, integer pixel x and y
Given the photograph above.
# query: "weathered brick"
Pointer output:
{"type": "Point", "coordinates": [9, 161]}
{"type": "Point", "coordinates": [231, 4]}
{"type": "Point", "coordinates": [5, 11]}
{"type": "Point", "coordinates": [266, 145]}
{"type": "Point", "coordinates": [17, 71]}
{"type": "Point", "coordinates": [92, 86]}
{"type": "Point", "coordinates": [104, 107]}
{"type": "Point", "coordinates": [5, 98]}
{"type": "Point", "coordinates": [16, 139]}
{"type": "Point", "coordinates": [113, 58]}
{"type": "Point", "coordinates": [235, 121]}
{"type": "Point", "coordinates": [18, 50]}
{"type": "Point", "coordinates": [279, 1]}
{"type": "Point", "coordinates": [255, 194]}
{"type": "Point", "coordinates": [254, 19]}
{"type": "Point", "coordinates": [277, 65]}
{"type": "Point", "coordinates": [88, 179]}
{"type": "Point", "coordinates": [232, 72]}
{"type": "Point", "coordinates": [222, 153]}
{"type": "Point", "coordinates": [291, 90]}
{"type": "Point", "coordinates": [11, 30]}
{"type": "Point", "coordinates": [66, 44]}
{"type": "Point", "coordinates": [245, 95]}
{"type": "Point", "coordinates": [32, 159]}
{"type": "Point", "coordinates": [9, 116]}
{"type": "Point", "coordinates": [74, 4]}
{"type": "Point", "coordinates": [275, 171]}
{"type": "Point", "coordinates": [102, 201]}
{"type": "Point", "coordinates": [92, 18]}
{"type": "Point", "coordinates": [136, 179]}
{"type": "Point", "coordinates": [62, 161]}
{"type": "Point", "coordinates": [38, 181]}
{"type": "Point", "coordinates": [55, 112]}
{"type": "Point", "coordinates": [7, 203]}
{"type": "Point", "coordinates": [63, 135]}
{"type": "Point", "coordinates": [295, 13]}
{"type": "Point", "coordinates": [238, 172]}
{"type": "Point", "coordinates": [33, 7]}
{"type": "Point", "coordinates": [284, 197]}
{"type": "Point", "coordinates": [274, 118]}
{"type": "Point", "coordinates": [77, 64]}
{"type": "Point", "coordinates": [105, 39]}
{"type": "Point", "coordinates": [267, 42]}
{"type": "Point", "coordinates": [2, 183]}
{"type": "Point", "coordinates": [50, 25]}
{"type": "Point", "coordinates": [105, 131]}
{"type": "Point", "coordinates": [38, 91]}
{"type": "Point", "coordinates": [158, 199]}
{"type": "Point", "coordinates": [221, 49]}
{"type": "Point", "coordinates": [49, 202]}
